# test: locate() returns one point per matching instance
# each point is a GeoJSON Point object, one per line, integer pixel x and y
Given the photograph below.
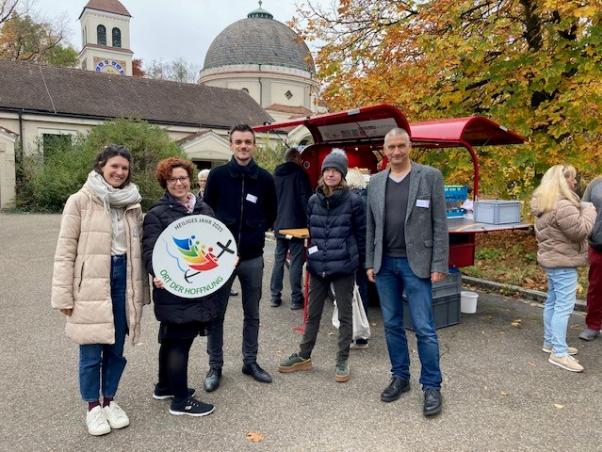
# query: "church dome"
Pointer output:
{"type": "Point", "coordinates": [259, 39]}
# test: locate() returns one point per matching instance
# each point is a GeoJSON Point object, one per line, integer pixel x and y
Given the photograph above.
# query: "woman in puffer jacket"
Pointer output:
{"type": "Point", "coordinates": [99, 282]}
{"type": "Point", "coordinates": [182, 319]}
{"type": "Point", "coordinates": [337, 226]}
{"type": "Point", "coordinates": [562, 226]}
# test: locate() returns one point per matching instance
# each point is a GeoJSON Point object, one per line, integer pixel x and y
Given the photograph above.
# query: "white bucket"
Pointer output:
{"type": "Point", "coordinates": [468, 302]}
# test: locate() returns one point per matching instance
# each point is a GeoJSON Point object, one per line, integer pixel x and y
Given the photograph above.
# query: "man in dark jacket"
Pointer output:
{"type": "Point", "coordinates": [243, 197]}
{"type": "Point", "coordinates": [293, 191]}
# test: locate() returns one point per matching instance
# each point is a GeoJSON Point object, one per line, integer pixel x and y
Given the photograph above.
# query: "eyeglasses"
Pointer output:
{"type": "Point", "coordinates": [174, 180]}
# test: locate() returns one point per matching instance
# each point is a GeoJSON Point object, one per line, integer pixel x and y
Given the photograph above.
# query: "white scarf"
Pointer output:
{"type": "Point", "coordinates": [111, 197]}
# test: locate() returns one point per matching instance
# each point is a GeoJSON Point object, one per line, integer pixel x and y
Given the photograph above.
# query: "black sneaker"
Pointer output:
{"type": "Point", "coordinates": [164, 394]}
{"type": "Point", "coordinates": [190, 407]}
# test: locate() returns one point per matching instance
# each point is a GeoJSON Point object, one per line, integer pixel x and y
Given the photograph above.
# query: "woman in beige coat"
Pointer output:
{"type": "Point", "coordinates": [99, 282]}
{"type": "Point", "coordinates": [562, 226]}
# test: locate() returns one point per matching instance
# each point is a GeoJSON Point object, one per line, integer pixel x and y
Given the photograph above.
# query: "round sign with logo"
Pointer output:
{"type": "Point", "coordinates": [194, 256]}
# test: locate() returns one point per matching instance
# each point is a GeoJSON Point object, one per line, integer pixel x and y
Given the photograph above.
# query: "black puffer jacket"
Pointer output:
{"type": "Point", "coordinates": [244, 199]}
{"type": "Point", "coordinates": [337, 226]}
{"type": "Point", "coordinates": [168, 307]}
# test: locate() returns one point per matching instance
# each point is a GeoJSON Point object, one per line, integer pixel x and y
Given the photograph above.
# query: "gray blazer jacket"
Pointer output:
{"type": "Point", "coordinates": [426, 234]}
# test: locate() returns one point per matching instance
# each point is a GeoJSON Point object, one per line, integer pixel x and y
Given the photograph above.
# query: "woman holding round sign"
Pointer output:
{"type": "Point", "coordinates": [190, 256]}
{"type": "Point", "coordinates": [99, 282]}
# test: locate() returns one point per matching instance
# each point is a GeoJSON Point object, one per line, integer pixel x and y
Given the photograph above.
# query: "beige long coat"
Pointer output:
{"type": "Point", "coordinates": [562, 234]}
{"type": "Point", "coordinates": [82, 267]}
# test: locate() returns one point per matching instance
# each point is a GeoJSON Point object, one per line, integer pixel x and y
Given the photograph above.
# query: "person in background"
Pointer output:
{"type": "Point", "coordinates": [337, 228]}
{"type": "Point", "coordinates": [562, 225]}
{"type": "Point", "coordinates": [407, 249]}
{"type": "Point", "coordinates": [243, 196]}
{"type": "Point", "coordinates": [202, 179]}
{"type": "Point", "coordinates": [593, 319]}
{"type": "Point", "coordinates": [182, 319]}
{"type": "Point", "coordinates": [292, 191]}
{"type": "Point", "coordinates": [357, 184]}
{"type": "Point", "coordinates": [99, 282]}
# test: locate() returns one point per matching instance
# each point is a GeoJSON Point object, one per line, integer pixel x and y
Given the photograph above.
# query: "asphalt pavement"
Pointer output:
{"type": "Point", "coordinates": [500, 393]}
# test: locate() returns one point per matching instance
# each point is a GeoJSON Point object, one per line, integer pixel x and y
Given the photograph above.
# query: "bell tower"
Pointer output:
{"type": "Point", "coordinates": [105, 26]}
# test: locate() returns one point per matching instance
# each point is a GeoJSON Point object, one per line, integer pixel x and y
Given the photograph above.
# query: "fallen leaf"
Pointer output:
{"type": "Point", "coordinates": [504, 393]}
{"type": "Point", "coordinates": [532, 364]}
{"type": "Point", "coordinates": [255, 437]}
{"type": "Point", "coordinates": [557, 405]}
{"type": "Point", "coordinates": [516, 323]}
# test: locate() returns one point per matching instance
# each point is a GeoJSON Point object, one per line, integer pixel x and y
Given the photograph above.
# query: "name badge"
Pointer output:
{"type": "Point", "coordinates": [252, 198]}
{"type": "Point", "coordinates": [422, 203]}
{"type": "Point", "coordinates": [312, 250]}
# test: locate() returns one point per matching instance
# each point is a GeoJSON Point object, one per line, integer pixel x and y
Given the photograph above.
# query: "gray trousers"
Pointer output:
{"type": "Point", "coordinates": [318, 291]}
{"type": "Point", "coordinates": [250, 275]}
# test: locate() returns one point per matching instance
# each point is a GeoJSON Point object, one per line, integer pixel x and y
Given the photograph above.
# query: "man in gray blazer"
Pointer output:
{"type": "Point", "coordinates": [406, 251]}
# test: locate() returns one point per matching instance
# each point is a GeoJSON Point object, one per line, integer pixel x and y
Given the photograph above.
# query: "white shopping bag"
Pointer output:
{"type": "Point", "coordinates": [361, 326]}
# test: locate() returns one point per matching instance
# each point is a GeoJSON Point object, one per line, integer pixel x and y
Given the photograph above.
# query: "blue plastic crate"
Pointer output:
{"type": "Point", "coordinates": [456, 193]}
{"type": "Point", "coordinates": [455, 212]}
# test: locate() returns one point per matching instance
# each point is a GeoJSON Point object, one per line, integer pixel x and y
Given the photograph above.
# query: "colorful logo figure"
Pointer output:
{"type": "Point", "coordinates": [197, 257]}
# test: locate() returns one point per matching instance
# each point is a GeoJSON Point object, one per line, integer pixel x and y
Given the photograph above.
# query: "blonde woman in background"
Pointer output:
{"type": "Point", "coordinates": [562, 226]}
{"type": "Point", "coordinates": [357, 184]}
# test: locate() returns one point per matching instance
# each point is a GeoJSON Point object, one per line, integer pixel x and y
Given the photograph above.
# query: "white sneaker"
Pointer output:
{"type": "Point", "coordinates": [116, 416]}
{"type": "Point", "coordinates": [565, 362]}
{"type": "Point", "coordinates": [97, 422]}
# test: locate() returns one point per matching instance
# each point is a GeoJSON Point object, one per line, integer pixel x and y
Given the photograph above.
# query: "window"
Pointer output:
{"type": "Point", "coordinates": [116, 37]}
{"type": "Point", "coordinates": [288, 95]}
{"type": "Point", "coordinates": [54, 142]}
{"type": "Point", "coordinates": [101, 35]}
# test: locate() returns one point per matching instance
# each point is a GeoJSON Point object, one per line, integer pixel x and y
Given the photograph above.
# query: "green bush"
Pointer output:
{"type": "Point", "coordinates": [48, 181]}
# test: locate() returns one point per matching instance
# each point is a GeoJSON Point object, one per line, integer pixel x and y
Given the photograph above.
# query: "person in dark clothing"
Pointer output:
{"type": "Point", "coordinates": [182, 319]}
{"type": "Point", "coordinates": [243, 197]}
{"type": "Point", "coordinates": [337, 228]}
{"type": "Point", "coordinates": [292, 191]}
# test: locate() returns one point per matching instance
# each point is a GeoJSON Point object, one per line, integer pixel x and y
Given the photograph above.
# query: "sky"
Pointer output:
{"type": "Point", "coordinates": [165, 30]}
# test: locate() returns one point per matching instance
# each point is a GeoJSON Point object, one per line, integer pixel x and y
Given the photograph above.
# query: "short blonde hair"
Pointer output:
{"type": "Point", "coordinates": [554, 187]}
{"type": "Point", "coordinates": [355, 179]}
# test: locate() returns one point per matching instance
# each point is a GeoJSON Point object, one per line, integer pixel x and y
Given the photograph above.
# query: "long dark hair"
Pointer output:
{"type": "Point", "coordinates": [113, 150]}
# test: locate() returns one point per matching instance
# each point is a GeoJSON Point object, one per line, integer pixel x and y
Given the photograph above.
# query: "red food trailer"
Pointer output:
{"type": "Point", "coordinates": [361, 131]}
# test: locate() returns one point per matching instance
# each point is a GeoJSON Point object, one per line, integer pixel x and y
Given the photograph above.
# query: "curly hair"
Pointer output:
{"type": "Point", "coordinates": [166, 166]}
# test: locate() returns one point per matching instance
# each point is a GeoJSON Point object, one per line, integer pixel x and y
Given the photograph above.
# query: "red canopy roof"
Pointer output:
{"type": "Point", "coordinates": [474, 130]}
{"type": "Point", "coordinates": [359, 125]}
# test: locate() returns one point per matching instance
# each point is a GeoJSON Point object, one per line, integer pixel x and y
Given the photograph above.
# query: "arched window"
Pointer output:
{"type": "Point", "coordinates": [116, 37]}
{"type": "Point", "coordinates": [101, 35]}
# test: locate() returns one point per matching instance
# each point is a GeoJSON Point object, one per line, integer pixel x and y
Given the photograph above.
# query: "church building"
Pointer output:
{"type": "Point", "coordinates": [256, 71]}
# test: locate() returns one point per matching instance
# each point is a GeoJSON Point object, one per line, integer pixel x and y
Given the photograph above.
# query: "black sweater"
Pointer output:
{"type": "Point", "coordinates": [244, 199]}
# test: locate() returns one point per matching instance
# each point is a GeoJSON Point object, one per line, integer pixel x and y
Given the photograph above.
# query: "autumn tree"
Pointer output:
{"type": "Point", "coordinates": [23, 38]}
{"type": "Point", "coordinates": [137, 70]}
{"type": "Point", "coordinates": [533, 65]}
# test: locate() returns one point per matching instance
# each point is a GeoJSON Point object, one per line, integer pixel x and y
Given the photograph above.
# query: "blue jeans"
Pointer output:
{"type": "Point", "coordinates": [250, 275]}
{"type": "Point", "coordinates": [105, 362]}
{"type": "Point", "coordinates": [295, 270]}
{"type": "Point", "coordinates": [562, 290]}
{"type": "Point", "coordinates": [394, 277]}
